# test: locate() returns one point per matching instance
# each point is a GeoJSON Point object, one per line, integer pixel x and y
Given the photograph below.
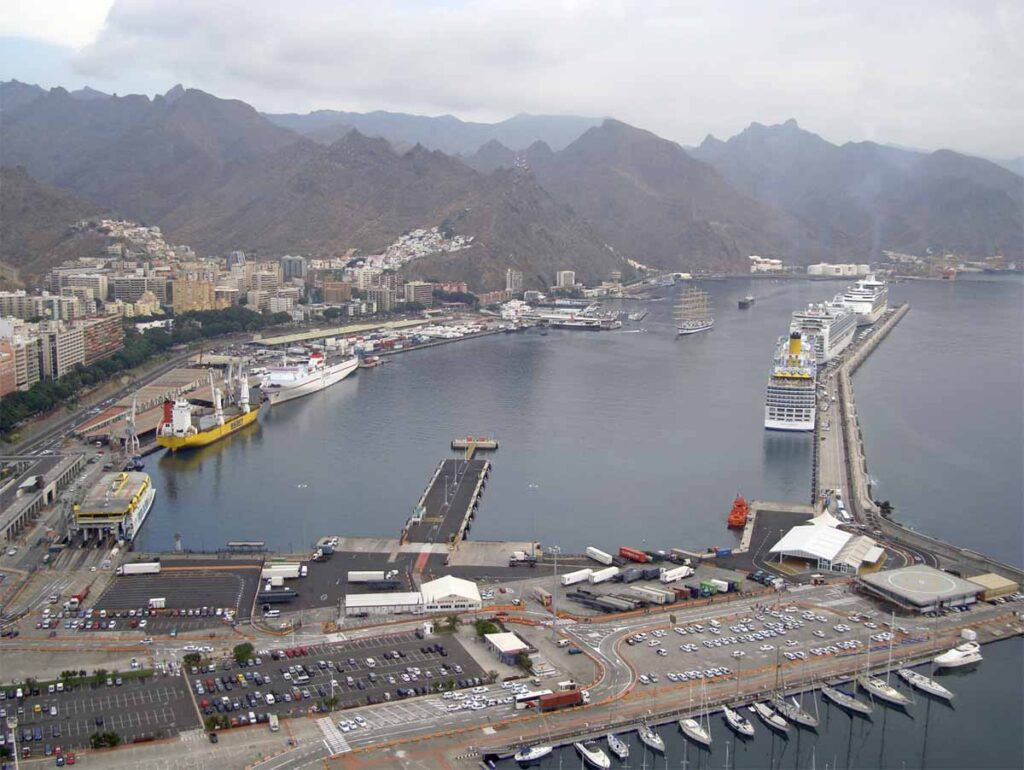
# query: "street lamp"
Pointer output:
{"type": "Point", "coordinates": [554, 550]}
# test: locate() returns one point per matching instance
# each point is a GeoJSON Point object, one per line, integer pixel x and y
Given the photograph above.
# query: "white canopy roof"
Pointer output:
{"type": "Point", "coordinates": [448, 586]}
{"type": "Point", "coordinates": [825, 519]}
{"type": "Point", "coordinates": [811, 542]}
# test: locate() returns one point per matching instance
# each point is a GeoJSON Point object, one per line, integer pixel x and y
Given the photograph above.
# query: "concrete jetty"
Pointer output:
{"type": "Point", "coordinates": [444, 512]}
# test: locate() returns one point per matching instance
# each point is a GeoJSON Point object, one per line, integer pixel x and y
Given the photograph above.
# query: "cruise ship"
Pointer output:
{"type": "Point", "coordinates": [283, 383]}
{"type": "Point", "coordinates": [832, 324]}
{"type": "Point", "coordinates": [868, 298]}
{"type": "Point", "coordinates": [790, 402]}
{"type": "Point", "coordinates": [117, 504]}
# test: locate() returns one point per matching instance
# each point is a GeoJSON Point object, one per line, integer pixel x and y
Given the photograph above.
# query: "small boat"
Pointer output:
{"type": "Point", "coordinates": [617, 746]}
{"type": "Point", "coordinates": [529, 754]}
{"type": "Point", "coordinates": [924, 683]}
{"type": "Point", "coordinates": [738, 515]}
{"type": "Point", "coordinates": [650, 739]}
{"type": "Point", "coordinates": [880, 689]}
{"type": "Point", "coordinates": [843, 700]}
{"type": "Point", "coordinates": [693, 730]}
{"type": "Point", "coordinates": [593, 755]}
{"type": "Point", "coordinates": [962, 655]}
{"type": "Point", "coordinates": [770, 718]}
{"type": "Point", "coordinates": [746, 302]}
{"type": "Point", "coordinates": [739, 723]}
{"type": "Point", "coordinates": [795, 713]}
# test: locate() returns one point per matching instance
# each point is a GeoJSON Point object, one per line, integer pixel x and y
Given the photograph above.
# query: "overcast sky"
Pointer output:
{"type": "Point", "coordinates": [919, 73]}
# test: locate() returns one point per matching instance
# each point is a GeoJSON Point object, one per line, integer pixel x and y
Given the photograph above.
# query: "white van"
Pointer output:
{"type": "Point", "coordinates": [563, 643]}
{"type": "Point", "coordinates": [272, 614]}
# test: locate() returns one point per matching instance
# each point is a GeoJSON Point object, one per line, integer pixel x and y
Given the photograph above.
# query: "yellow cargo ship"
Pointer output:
{"type": "Point", "coordinates": [186, 426]}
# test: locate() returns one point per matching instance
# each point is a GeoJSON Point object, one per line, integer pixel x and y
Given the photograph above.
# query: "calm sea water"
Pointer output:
{"type": "Point", "coordinates": [632, 436]}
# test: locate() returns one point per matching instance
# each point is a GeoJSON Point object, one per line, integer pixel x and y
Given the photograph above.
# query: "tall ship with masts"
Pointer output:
{"type": "Point", "coordinates": [693, 312]}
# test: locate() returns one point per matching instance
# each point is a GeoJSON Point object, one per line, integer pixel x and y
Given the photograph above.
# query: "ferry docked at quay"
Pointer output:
{"type": "Point", "coordinates": [117, 504]}
{"type": "Point", "coordinates": [287, 382]}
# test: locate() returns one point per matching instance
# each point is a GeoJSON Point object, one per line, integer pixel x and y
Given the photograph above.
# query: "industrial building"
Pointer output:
{"type": "Point", "coordinates": [993, 586]}
{"type": "Point", "coordinates": [446, 594]}
{"type": "Point", "coordinates": [829, 548]}
{"type": "Point", "coordinates": [400, 603]}
{"type": "Point", "coordinates": [506, 646]}
{"type": "Point", "coordinates": [920, 588]}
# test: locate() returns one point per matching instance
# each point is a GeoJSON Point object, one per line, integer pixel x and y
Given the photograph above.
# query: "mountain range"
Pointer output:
{"type": "Point", "coordinates": [562, 193]}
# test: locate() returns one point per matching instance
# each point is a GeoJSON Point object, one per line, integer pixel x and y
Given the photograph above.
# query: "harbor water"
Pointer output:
{"type": "Point", "coordinates": [641, 437]}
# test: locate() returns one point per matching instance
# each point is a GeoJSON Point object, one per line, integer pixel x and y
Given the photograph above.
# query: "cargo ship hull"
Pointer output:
{"type": "Point", "coordinates": [206, 437]}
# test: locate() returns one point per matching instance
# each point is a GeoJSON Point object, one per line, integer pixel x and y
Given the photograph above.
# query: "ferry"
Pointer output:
{"type": "Point", "coordinates": [962, 655]}
{"type": "Point", "coordinates": [284, 383]}
{"type": "Point", "coordinates": [868, 298]}
{"type": "Point", "coordinates": [790, 403]}
{"type": "Point", "coordinates": [117, 504]}
{"type": "Point", "coordinates": [186, 425]}
{"type": "Point", "coordinates": [746, 302]}
{"type": "Point", "coordinates": [831, 324]}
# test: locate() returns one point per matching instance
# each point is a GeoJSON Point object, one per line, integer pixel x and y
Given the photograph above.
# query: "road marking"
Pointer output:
{"type": "Point", "coordinates": [333, 737]}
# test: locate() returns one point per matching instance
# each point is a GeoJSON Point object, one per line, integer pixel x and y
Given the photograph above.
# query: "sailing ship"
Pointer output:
{"type": "Point", "coordinates": [617, 746]}
{"type": "Point", "coordinates": [846, 701]}
{"type": "Point", "coordinates": [924, 683]}
{"type": "Point", "coordinates": [770, 718]}
{"type": "Point", "coordinates": [695, 731]}
{"type": "Point", "coordinates": [739, 723]}
{"type": "Point", "coordinates": [693, 313]}
{"type": "Point", "coordinates": [795, 713]}
{"type": "Point", "coordinates": [650, 739]}
{"type": "Point", "coordinates": [529, 754]}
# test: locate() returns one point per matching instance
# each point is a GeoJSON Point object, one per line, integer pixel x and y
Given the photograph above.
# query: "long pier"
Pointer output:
{"type": "Point", "coordinates": [444, 512]}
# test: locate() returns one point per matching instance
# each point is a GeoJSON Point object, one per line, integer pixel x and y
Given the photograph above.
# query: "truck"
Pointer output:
{"type": "Point", "coordinates": [287, 570]}
{"type": "Point", "coordinates": [633, 554]}
{"type": "Point", "coordinates": [602, 575]}
{"type": "Point", "coordinates": [676, 573]}
{"type": "Point", "coordinates": [276, 581]}
{"type": "Point", "coordinates": [542, 596]}
{"type": "Point", "coordinates": [522, 557]}
{"type": "Point", "coordinates": [158, 603]}
{"type": "Point", "coordinates": [365, 576]}
{"type": "Point", "coordinates": [651, 573]}
{"type": "Point", "coordinates": [140, 568]}
{"type": "Point", "coordinates": [654, 595]}
{"type": "Point", "coordinates": [721, 585]}
{"type": "Point", "coordinates": [276, 596]}
{"type": "Point", "coordinates": [631, 575]}
{"type": "Point", "coordinates": [572, 578]}
{"type": "Point", "coordinates": [78, 599]}
{"type": "Point", "coordinates": [561, 700]}
{"type": "Point", "coordinates": [599, 556]}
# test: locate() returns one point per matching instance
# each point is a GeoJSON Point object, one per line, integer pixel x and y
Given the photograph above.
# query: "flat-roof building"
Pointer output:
{"type": "Point", "coordinates": [920, 588]}
{"type": "Point", "coordinates": [397, 603]}
{"type": "Point", "coordinates": [506, 646]}
{"type": "Point", "coordinates": [993, 585]}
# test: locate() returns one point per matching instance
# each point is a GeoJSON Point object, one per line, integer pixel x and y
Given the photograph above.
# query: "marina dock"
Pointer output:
{"type": "Point", "coordinates": [444, 512]}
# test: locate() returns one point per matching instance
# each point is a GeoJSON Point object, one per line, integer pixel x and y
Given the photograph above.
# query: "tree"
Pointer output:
{"type": "Point", "coordinates": [243, 652]}
{"type": "Point", "coordinates": [192, 659]}
{"type": "Point", "coordinates": [484, 626]}
{"type": "Point", "coordinates": [331, 702]}
{"type": "Point", "coordinates": [452, 622]}
{"type": "Point", "coordinates": [523, 661]}
{"type": "Point", "coordinates": [104, 739]}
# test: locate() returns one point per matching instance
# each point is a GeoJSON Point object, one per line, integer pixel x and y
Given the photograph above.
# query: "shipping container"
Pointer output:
{"type": "Point", "coordinates": [694, 592]}
{"type": "Point", "coordinates": [601, 575]}
{"type": "Point", "coordinates": [287, 570]}
{"type": "Point", "coordinates": [140, 568]}
{"type": "Point", "coordinates": [708, 587]}
{"type": "Point", "coordinates": [598, 555]}
{"type": "Point", "coordinates": [651, 573]}
{"type": "Point", "coordinates": [631, 575]}
{"type": "Point", "coordinates": [365, 576]}
{"type": "Point", "coordinates": [676, 573]}
{"type": "Point", "coordinates": [633, 554]}
{"type": "Point", "coordinates": [579, 576]}
{"type": "Point", "coordinates": [276, 581]}
{"type": "Point", "coordinates": [720, 585]}
{"type": "Point", "coordinates": [561, 700]}
{"type": "Point", "coordinates": [651, 594]}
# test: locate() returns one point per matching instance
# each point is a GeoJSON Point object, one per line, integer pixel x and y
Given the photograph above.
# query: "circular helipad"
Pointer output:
{"type": "Point", "coordinates": [920, 583]}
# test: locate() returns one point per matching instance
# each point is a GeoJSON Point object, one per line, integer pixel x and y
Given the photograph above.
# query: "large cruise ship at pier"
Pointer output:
{"type": "Point", "coordinates": [832, 324]}
{"type": "Point", "coordinates": [790, 402]}
{"type": "Point", "coordinates": [868, 298]}
{"type": "Point", "coordinates": [283, 383]}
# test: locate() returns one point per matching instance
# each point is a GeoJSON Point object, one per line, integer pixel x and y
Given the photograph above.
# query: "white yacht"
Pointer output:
{"type": "Point", "coordinates": [695, 731]}
{"type": "Point", "coordinates": [880, 689]}
{"type": "Point", "coordinates": [283, 383]}
{"type": "Point", "coordinates": [962, 655]}
{"type": "Point", "coordinates": [770, 718]}
{"type": "Point", "coordinates": [593, 755]}
{"type": "Point", "coordinates": [790, 401]}
{"type": "Point", "coordinates": [529, 754]}
{"type": "Point", "coordinates": [831, 324]}
{"type": "Point", "coordinates": [868, 298]}
{"type": "Point", "coordinates": [924, 683]}
{"type": "Point", "coordinates": [618, 747]}
{"type": "Point", "coordinates": [650, 739]}
{"type": "Point", "coordinates": [739, 723]}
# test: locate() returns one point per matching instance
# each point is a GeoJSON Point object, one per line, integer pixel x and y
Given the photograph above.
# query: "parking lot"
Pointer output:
{"type": "Point", "coordinates": [152, 708]}
{"type": "Point", "coordinates": [290, 684]}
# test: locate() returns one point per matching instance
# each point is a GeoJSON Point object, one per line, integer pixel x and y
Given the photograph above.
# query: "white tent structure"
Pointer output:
{"type": "Point", "coordinates": [828, 547]}
{"type": "Point", "coordinates": [450, 593]}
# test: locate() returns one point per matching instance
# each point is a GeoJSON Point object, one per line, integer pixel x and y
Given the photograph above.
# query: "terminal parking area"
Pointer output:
{"type": "Point", "coordinates": [151, 708]}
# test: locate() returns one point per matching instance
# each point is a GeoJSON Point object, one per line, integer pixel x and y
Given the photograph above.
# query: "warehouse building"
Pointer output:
{"type": "Point", "coordinates": [920, 588]}
{"type": "Point", "coordinates": [399, 603]}
{"type": "Point", "coordinates": [993, 586]}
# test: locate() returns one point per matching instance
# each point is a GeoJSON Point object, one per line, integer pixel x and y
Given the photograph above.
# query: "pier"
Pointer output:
{"type": "Point", "coordinates": [444, 512]}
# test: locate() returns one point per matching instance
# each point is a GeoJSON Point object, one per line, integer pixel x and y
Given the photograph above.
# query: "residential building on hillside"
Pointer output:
{"type": "Point", "coordinates": [8, 369]}
{"type": "Point", "coordinates": [235, 258]}
{"type": "Point", "coordinates": [384, 298]}
{"type": "Point", "coordinates": [337, 292]}
{"type": "Point", "coordinates": [565, 279]}
{"type": "Point", "coordinates": [128, 288]}
{"type": "Point", "coordinates": [62, 349]}
{"type": "Point", "coordinates": [53, 307]}
{"type": "Point", "coordinates": [514, 280]}
{"type": "Point", "coordinates": [292, 267]}
{"type": "Point", "coordinates": [839, 271]}
{"type": "Point", "coordinates": [193, 296]}
{"type": "Point", "coordinates": [765, 265]}
{"type": "Point", "coordinates": [101, 338]}
{"type": "Point", "coordinates": [421, 292]}
{"type": "Point", "coordinates": [257, 300]}
{"type": "Point", "coordinates": [453, 287]}
{"type": "Point", "coordinates": [280, 304]}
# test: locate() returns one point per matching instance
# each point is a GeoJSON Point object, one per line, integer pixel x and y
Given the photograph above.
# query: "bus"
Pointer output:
{"type": "Point", "coordinates": [530, 699]}
{"type": "Point", "coordinates": [274, 726]}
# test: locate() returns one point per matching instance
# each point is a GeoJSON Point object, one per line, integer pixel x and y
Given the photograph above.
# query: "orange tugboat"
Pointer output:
{"type": "Point", "coordinates": [738, 515]}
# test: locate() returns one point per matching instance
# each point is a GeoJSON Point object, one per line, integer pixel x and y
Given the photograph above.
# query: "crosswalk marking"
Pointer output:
{"type": "Point", "coordinates": [333, 738]}
{"type": "Point", "coordinates": [192, 735]}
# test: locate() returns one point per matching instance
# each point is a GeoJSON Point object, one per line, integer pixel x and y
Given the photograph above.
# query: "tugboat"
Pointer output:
{"type": "Point", "coordinates": [739, 513]}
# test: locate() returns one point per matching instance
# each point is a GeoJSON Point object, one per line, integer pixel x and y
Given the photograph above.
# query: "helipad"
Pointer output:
{"type": "Point", "coordinates": [920, 587]}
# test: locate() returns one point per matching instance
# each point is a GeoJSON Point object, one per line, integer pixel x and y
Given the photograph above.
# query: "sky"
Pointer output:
{"type": "Point", "coordinates": [925, 74]}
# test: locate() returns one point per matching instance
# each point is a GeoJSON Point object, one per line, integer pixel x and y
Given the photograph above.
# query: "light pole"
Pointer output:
{"type": "Point", "coordinates": [554, 551]}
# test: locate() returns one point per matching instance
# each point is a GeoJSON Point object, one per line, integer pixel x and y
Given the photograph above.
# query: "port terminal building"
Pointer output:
{"type": "Point", "coordinates": [446, 594]}
{"type": "Point", "coordinates": [920, 588]}
{"type": "Point", "coordinates": [826, 547]}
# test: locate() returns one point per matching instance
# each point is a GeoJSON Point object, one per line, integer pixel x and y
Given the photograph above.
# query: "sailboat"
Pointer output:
{"type": "Point", "coordinates": [618, 747]}
{"type": "Point", "coordinates": [739, 723]}
{"type": "Point", "coordinates": [694, 729]}
{"type": "Point", "coordinates": [592, 755]}
{"type": "Point", "coordinates": [924, 683]}
{"type": "Point", "coordinates": [770, 718]}
{"type": "Point", "coordinates": [846, 701]}
{"type": "Point", "coordinates": [693, 312]}
{"type": "Point", "coordinates": [794, 712]}
{"type": "Point", "coordinates": [880, 688]}
{"type": "Point", "coordinates": [650, 739]}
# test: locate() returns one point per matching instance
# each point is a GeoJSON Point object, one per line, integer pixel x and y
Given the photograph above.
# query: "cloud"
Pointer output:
{"type": "Point", "coordinates": [919, 73]}
{"type": "Point", "coordinates": [73, 23]}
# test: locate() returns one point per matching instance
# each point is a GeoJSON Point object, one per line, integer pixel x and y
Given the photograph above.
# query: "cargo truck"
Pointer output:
{"type": "Point", "coordinates": [139, 568]}
{"type": "Point", "coordinates": [599, 556]}
{"type": "Point", "coordinates": [633, 554]}
{"type": "Point", "coordinates": [631, 575]}
{"type": "Point", "coordinates": [651, 573]}
{"type": "Point", "coordinates": [77, 600]}
{"type": "Point", "coordinates": [721, 585]}
{"type": "Point", "coordinates": [365, 576]}
{"type": "Point", "coordinates": [561, 700]}
{"type": "Point", "coordinates": [572, 578]}
{"type": "Point", "coordinates": [652, 594]}
{"type": "Point", "coordinates": [542, 596]}
{"type": "Point", "coordinates": [601, 575]}
{"type": "Point", "coordinates": [158, 603]}
{"type": "Point", "coordinates": [677, 573]}
{"type": "Point", "coordinates": [286, 570]}
{"type": "Point", "coordinates": [522, 557]}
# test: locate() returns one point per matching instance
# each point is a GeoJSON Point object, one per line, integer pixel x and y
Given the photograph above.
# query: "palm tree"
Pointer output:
{"type": "Point", "coordinates": [453, 622]}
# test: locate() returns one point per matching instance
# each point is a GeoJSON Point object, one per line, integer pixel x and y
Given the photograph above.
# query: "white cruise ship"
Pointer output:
{"type": "Point", "coordinates": [790, 402]}
{"type": "Point", "coordinates": [283, 383]}
{"type": "Point", "coordinates": [832, 324]}
{"type": "Point", "coordinates": [868, 298]}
